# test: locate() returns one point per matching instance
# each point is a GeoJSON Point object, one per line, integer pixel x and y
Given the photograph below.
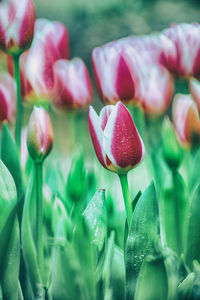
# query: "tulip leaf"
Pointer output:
{"type": "Point", "coordinates": [10, 158]}
{"type": "Point", "coordinates": [186, 287]}
{"type": "Point", "coordinates": [143, 238]}
{"type": "Point", "coordinates": [152, 280]}
{"type": "Point", "coordinates": [28, 246]}
{"type": "Point", "coordinates": [96, 218]}
{"type": "Point", "coordinates": [8, 206]}
{"type": "Point", "coordinates": [193, 237]}
{"type": "Point", "coordinates": [67, 277]}
{"type": "Point", "coordinates": [118, 274]}
{"type": "Point", "coordinates": [10, 269]}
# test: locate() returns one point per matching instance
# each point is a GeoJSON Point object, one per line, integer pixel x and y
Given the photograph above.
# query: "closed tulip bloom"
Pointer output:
{"type": "Point", "coordinates": [113, 77]}
{"type": "Point", "coordinates": [40, 134]}
{"type": "Point", "coordinates": [7, 98]}
{"type": "Point", "coordinates": [186, 40]}
{"type": "Point", "coordinates": [186, 120]}
{"type": "Point", "coordinates": [195, 91]}
{"type": "Point", "coordinates": [72, 87]}
{"type": "Point", "coordinates": [115, 138]}
{"type": "Point", "coordinates": [17, 20]}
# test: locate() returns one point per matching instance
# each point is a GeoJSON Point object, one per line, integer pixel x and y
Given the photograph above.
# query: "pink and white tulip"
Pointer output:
{"type": "Point", "coordinates": [115, 138]}
{"type": "Point", "coordinates": [113, 77]}
{"type": "Point", "coordinates": [17, 20]}
{"type": "Point", "coordinates": [72, 86]}
{"type": "Point", "coordinates": [186, 60]}
{"type": "Point", "coordinates": [186, 119]}
{"type": "Point", "coordinates": [195, 91]}
{"type": "Point", "coordinates": [7, 98]}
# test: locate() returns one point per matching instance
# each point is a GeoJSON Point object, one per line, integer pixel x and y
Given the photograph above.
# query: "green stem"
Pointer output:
{"type": "Point", "coordinates": [19, 103]}
{"type": "Point", "coordinates": [39, 215]}
{"type": "Point", "coordinates": [127, 198]}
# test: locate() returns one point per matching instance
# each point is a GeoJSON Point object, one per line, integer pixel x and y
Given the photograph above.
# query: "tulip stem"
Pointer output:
{"type": "Point", "coordinates": [127, 198]}
{"type": "Point", "coordinates": [39, 214]}
{"type": "Point", "coordinates": [19, 103]}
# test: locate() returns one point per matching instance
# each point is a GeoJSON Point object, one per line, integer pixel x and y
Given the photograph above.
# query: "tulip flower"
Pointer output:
{"type": "Point", "coordinates": [17, 20]}
{"type": "Point", "coordinates": [7, 98]}
{"type": "Point", "coordinates": [186, 120]}
{"type": "Point", "coordinates": [195, 91]}
{"type": "Point", "coordinates": [117, 144]}
{"type": "Point", "coordinates": [72, 87]}
{"type": "Point", "coordinates": [40, 134]}
{"type": "Point", "coordinates": [36, 65]}
{"type": "Point", "coordinates": [187, 57]}
{"type": "Point", "coordinates": [113, 76]}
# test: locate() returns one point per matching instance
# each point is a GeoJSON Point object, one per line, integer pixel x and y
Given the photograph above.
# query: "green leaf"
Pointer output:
{"type": "Point", "coordinates": [28, 246]}
{"type": "Point", "coordinates": [118, 274]}
{"type": "Point", "coordinates": [8, 205]}
{"type": "Point", "coordinates": [193, 237]}
{"type": "Point", "coordinates": [96, 219]}
{"type": "Point", "coordinates": [194, 173]}
{"type": "Point", "coordinates": [186, 287]}
{"type": "Point", "coordinates": [152, 280]}
{"type": "Point", "coordinates": [67, 277]}
{"type": "Point", "coordinates": [10, 158]}
{"type": "Point", "coordinates": [143, 237]}
{"type": "Point", "coordinates": [10, 269]}
{"type": "Point", "coordinates": [173, 213]}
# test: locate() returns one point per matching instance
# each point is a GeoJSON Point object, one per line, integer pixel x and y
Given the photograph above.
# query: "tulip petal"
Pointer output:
{"type": "Point", "coordinates": [104, 115]}
{"type": "Point", "coordinates": [96, 133]}
{"type": "Point", "coordinates": [121, 141]}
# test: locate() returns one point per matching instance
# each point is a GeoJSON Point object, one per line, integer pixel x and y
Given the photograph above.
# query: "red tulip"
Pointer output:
{"type": "Point", "coordinates": [187, 57]}
{"type": "Point", "coordinates": [115, 138]}
{"type": "Point", "coordinates": [186, 119]}
{"type": "Point", "coordinates": [73, 88]}
{"type": "Point", "coordinates": [17, 20]}
{"type": "Point", "coordinates": [40, 134]}
{"type": "Point", "coordinates": [7, 98]}
{"type": "Point", "coordinates": [195, 91]}
{"type": "Point", "coordinates": [113, 76]}
{"type": "Point", "coordinates": [36, 65]}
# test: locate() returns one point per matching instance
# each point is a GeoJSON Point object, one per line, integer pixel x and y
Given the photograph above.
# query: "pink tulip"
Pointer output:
{"type": "Point", "coordinates": [40, 134]}
{"type": "Point", "coordinates": [36, 65]}
{"type": "Point", "coordinates": [7, 98]}
{"type": "Point", "coordinates": [17, 20]}
{"type": "Point", "coordinates": [114, 79]}
{"type": "Point", "coordinates": [186, 119]}
{"type": "Point", "coordinates": [187, 58]}
{"type": "Point", "coordinates": [115, 138]}
{"type": "Point", "coordinates": [73, 88]}
{"type": "Point", "coordinates": [195, 91]}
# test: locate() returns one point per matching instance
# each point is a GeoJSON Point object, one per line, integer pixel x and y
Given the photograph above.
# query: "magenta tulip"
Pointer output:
{"type": "Point", "coordinates": [187, 57]}
{"type": "Point", "coordinates": [195, 91]}
{"type": "Point", "coordinates": [17, 20]}
{"type": "Point", "coordinates": [7, 98]}
{"type": "Point", "coordinates": [72, 88]}
{"type": "Point", "coordinates": [115, 138]}
{"type": "Point", "coordinates": [186, 120]}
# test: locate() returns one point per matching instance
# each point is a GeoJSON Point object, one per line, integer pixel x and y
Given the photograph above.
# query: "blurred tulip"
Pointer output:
{"type": "Point", "coordinates": [36, 65]}
{"type": "Point", "coordinates": [186, 120]}
{"type": "Point", "coordinates": [113, 77]}
{"type": "Point", "coordinates": [115, 138]}
{"type": "Point", "coordinates": [195, 91]}
{"type": "Point", "coordinates": [40, 134]}
{"type": "Point", "coordinates": [72, 88]}
{"type": "Point", "coordinates": [7, 98]}
{"type": "Point", "coordinates": [187, 57]}
{"type": "Point", "coordinates": [17, 20]}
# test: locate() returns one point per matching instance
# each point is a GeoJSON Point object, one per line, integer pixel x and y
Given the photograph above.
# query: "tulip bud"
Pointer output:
{"type": "Point", "coordinates": [186, 120]}
{"type": "Point", "coordinates": [40, 134]}
{"type": "Point", "coordinates": [76, 182]}
{"type": "Point", "coordinates": [115, 138]}
{"type": "Point", "coordinates": [195, 91]}
{"type": "Point", "coordinates": [172, 151]}
{"type": "Point", "coordinates": [17, 20]}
